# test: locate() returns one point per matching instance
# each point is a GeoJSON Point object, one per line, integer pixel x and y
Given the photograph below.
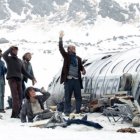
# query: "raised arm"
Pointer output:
{"type": "Point", "coordinates": [61, 48]}
{"type": "Point", "coordinates": [6, 53]}
{"type": "Point", "coordinates": [45, 95]}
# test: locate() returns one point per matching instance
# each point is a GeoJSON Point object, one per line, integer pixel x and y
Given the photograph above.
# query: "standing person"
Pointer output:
{"type": "Point", "coordinates": [15, 69]}
{"type": "Point", "coordinates": [71, 76]}
{"type": "Point", "coordinates": [3, 71]}
{"type": "Point", "coordinates": [28, 67]}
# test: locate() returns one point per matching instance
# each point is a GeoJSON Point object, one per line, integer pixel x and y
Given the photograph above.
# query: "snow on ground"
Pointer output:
{"type": "Point", "coordinates": [14, 129]}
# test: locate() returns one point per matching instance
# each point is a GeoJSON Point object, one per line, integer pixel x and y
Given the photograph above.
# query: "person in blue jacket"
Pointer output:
{"type": "Point", "coordinates": [3, 71]}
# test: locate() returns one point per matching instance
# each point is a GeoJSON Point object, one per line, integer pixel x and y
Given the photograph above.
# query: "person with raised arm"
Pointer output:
{"type": "Point", "coordinates": [71, 76]}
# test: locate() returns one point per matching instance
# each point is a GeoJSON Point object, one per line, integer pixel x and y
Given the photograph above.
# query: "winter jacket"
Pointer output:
{"type": "Point", "coordinates": [3, 71]}
{"type": "Point", "coordinates": [66, 64]}
{"type": "Point", "coordinates": [26, 110]}
{"type": "Point", "coordinates": [29, 69]}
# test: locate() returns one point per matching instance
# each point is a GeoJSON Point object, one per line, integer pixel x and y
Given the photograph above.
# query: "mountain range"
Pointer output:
{"type": "Point", "coordinates": [80, 11]}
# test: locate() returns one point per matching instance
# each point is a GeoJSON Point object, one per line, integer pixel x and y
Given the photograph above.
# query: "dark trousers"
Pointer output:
{"type": "Point", "coordinates": [16, 92]}
{"type": "Point", "coordinates": [70, 87]}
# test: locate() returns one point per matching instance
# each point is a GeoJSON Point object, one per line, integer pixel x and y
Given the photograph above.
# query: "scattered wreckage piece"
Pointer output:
{"type": "Point", "coordinates": [121, 111]}
{"type": "Point", "coordinates": [136, 121]}
{"type": "Point", "coordinates": [127, 130]}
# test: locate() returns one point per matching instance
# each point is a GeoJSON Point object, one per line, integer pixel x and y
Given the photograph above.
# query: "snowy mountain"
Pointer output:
{"type": "Point", "coordinates": [79, 11]}
{"type": "Point", "coordinates": [92, 22]}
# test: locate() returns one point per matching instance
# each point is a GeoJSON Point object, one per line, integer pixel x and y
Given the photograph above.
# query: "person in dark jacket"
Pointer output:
{"type": "Point", "coordinates": [15, 69]}
{"type": "Point", "coordinates": [34, 105]}
{"type": "Point", "coordinates": [3, 71]}
{"type": "Point", "coordinates": [71, 75]}
{"type": "Point", "coordinates": [28, 67]}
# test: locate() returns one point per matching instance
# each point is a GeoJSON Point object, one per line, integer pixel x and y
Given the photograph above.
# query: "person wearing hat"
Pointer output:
{"type": "Point", "coordinates": [15, 70]}
{"type": "Point", "coordinates": [3, 71]}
